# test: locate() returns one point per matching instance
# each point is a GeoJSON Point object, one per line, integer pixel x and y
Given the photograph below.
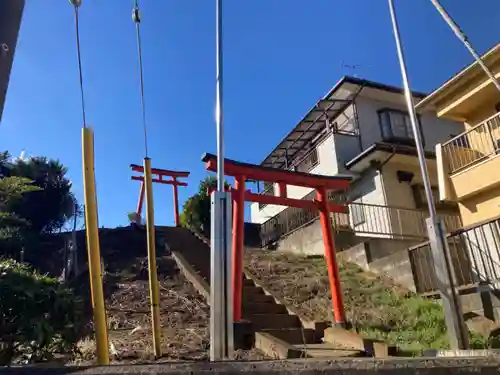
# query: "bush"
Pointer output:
{"type": "Point", "coordinates": [39, 317]}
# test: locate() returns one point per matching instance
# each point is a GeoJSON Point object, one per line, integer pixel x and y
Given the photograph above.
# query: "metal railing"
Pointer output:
{"type": "Point", "coordinates": [267, 191]}
{"type": "Point", "coordinates": [395, 222]}
{"type": "Point", "coordinates": [292, 218]}
{"type": "Point", "coordinates": [475, 255]}
{"type": "Point", "coordinates": [369, 219]}
{"type": "Point", "coordinates": [473, 145]}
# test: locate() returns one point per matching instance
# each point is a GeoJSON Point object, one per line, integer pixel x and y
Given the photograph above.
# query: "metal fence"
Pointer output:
{"type": "Point", "coordinates": [292, 218]}
{"type": "Point", "coordinates": [395, 222]}
{"type": "Point", "coordinates": [474, 253]}
{"type": "Point", "coordinates": [473, 145]}
{"type": "Point", "coordinates": [369, 219]}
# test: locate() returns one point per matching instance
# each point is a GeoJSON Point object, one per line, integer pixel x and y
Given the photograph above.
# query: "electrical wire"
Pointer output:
{"type": "Point", "coordinates": [82, 95]}
{"type": "Point", "coordinates": [136, 18]}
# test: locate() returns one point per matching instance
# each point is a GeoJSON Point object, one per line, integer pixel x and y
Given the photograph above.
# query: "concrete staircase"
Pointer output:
{"type": "Point", "coordinates": [272, 329]}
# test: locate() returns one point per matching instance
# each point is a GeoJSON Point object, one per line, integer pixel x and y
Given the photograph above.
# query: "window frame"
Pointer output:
{"type": "Point", "coordinates": [401, 140]}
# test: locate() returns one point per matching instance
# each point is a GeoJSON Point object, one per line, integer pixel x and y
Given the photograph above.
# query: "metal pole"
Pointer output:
{"type": "Point", "coordinates": [94, 253]}
{"type": "Point", "coordinates": [463, 38]}
{"type": "Point", "coordinates": [219, 106]}
{"type": "Point", "coordinates": [437, 238]}
{"type": "Point", "coordinates": [154, 295]}
{"type": "Point", "coordinates": [221, 305]}
{"type": "Point", "coordinates": [11, 12]}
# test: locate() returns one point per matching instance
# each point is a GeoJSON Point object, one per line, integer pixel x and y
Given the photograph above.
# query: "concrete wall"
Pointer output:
{"type": "Point", "coordinates": [395, 266]}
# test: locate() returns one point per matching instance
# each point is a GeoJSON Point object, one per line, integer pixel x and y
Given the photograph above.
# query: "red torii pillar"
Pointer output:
{"type": "Point", "coordinates": [243, 171]}
{"type": "Point", "coordinates": [159, 179]}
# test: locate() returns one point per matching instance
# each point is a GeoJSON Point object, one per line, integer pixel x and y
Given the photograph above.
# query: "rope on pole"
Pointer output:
{"type": "Point", "coordinates": [136, 17]}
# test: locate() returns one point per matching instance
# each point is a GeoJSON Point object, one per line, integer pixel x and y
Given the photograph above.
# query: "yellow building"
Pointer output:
{"type": "Point", "coordinates": [469, 163]}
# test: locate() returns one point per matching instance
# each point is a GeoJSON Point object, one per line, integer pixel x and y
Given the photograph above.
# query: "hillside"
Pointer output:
{"type": "Point", "coordinates": [376, 308]}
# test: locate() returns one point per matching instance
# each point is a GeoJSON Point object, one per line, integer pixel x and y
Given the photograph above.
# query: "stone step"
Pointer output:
{"type": "Point", "coordinates": [294, 335]}
{"type": "Point", "coordinates": [326, 350]}
{"type": "Point", "coordinates": [248, 282]}
{"type": "Point", "coordinates": [276, 321]}
{"type": "Point", "coordinates": [252, 290]}
{"type": "Point", "coordinates": [257, 298]}
{"type": "Point", "coordinates": [264, 308]}
{"type": "Point", "coordinates": [275, 348]}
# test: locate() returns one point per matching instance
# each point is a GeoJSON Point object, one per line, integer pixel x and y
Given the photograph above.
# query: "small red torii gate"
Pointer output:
{"type": "Point", "coordinates": [161, 173]}
{"type": "Point", "coordinates": [243, 171]}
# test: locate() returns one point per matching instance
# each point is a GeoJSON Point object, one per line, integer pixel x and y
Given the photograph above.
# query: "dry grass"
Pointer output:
{"type": "Point", "coordinates": [184, 318]}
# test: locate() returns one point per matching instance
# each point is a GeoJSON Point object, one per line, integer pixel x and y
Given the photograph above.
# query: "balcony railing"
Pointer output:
{"type": "Point", "coordinates": [475, 256]}
{"type": "Point", "coordinates": [267, 191]}
{"type": "Point", "coordinates": [474, 145]}
{"type": "Point", "coordinates": [372, 220]}
{"type": "Point", "coordinates": [395, 222]}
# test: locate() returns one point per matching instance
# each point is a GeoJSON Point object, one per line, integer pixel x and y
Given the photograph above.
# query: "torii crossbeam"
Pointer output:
{"type": "Point", "coordinates": [160, 174]}
{"type": "Point", "coordinates": [243, 171]}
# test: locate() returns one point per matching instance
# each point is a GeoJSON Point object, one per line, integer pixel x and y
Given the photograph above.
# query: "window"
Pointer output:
{"type": "Point", "coordinates": [308, 162]}
{"type": "Point", "coordinates": [396, 126]}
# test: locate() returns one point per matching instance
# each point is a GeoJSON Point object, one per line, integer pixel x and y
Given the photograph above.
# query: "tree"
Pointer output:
{"type": "Point", "coordinates": [12, 226]}
{"type": "Point", "coordinates": [48, 208]}
{"type": "Point", "coordinates": [196, 209]}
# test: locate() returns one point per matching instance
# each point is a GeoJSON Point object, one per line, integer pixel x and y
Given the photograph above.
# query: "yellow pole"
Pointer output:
{"type": "Point", "coordinates": [154, 295]}
{"type": "Point", "coordinates": [94, 254]}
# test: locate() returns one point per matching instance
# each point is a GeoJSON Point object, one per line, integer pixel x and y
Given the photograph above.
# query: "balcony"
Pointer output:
{"type": "Point", "coordinates": [473, 146]}
{"type": "Point", "coordinates": [469, 161]}
{"type": "Point", "coordinates": [366, 220]}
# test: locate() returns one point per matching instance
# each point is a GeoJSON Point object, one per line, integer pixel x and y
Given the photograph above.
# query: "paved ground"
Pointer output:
{"type": "Point", "coordinates": [436, 366]}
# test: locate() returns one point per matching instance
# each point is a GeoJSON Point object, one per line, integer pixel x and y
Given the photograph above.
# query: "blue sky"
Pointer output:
{"type": "Point", "coordinates": [280, 58]}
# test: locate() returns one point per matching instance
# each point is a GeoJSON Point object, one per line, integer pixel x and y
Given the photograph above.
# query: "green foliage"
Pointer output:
{"type": "Point", "coordinates": [196, 209]}
{"type": "Point", "coordinates": [12, 226]}
{"type": "Point", "coordinates": [38, 316]}
{"type": "Point", "coordinates": [48, 208]}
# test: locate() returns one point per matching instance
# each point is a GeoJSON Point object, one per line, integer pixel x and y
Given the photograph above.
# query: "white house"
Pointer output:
{"type": "Point", "coordinates": [362, 128]}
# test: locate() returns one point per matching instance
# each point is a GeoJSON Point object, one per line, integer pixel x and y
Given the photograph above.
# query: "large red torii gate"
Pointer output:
{"type": "Point", "coordinates": [243, 171]}
{"type": "Point", "coordinates": [161, 173]}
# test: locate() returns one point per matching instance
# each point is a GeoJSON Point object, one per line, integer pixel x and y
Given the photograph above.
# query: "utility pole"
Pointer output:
{"type": "Point", "coordinates": [463, 38]}
{"type": "Point", "coordinates": [435, 227]}
{"type": "Point", "coordinates": [11, 12]}
{"type": "Point", "coordinates": [221, 304]}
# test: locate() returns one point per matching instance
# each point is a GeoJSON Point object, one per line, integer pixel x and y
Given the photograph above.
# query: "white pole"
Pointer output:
{"type": "Point", "coordinates": [437, 238]}
{"type": "Point", "coordinates": [463, 38]}
{"type": "Point", "coordinates": [219, 105]}
{"type": "Point", "coordinates": [221, 304]}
